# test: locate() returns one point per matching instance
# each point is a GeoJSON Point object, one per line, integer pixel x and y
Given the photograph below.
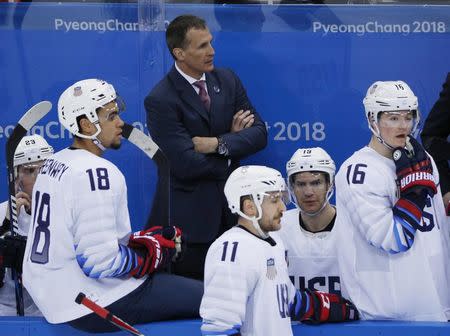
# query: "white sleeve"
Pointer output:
{"type": "Point", "coordinates": [97, 229]}
{"type": "Point", "coordinates": [228, 284]}
{"type": "Point", "coordinates": [369, 207]}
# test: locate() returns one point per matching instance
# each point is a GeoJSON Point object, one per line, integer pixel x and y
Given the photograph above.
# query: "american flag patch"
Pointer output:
{"type": "Point", "coordinates": [271, 269]}
{"type": "Point", "coordinates": [77, 91]}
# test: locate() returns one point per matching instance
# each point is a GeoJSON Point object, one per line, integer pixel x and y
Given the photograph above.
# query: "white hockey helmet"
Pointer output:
{"type": "Point", "coordinates": [254, 181]}
{"type": "Point", "coordinates": [314, 159]}
{"type": "Point", "coordinates": [84, 98]}
{"type": "Point", "coordinates": [386, 97]}
{"type": "Point", "coordinates": [32, 148]}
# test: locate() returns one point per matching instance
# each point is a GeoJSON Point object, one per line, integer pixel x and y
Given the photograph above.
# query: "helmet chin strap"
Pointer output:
{"type": "Point", "coordinates": [377, 134]}
{"type": "Point", "coordinates": [98, 144]}
{"type": "Point", "coordinates": [255, 219]}
{"type": "Point", "coordinates": [325, 202]}
{"type": "Point", "coordinates": [313, 214]}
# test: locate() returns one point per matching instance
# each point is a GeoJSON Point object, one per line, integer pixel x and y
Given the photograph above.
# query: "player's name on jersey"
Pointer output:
{"type": "Point", "coordinates": [53, 168]}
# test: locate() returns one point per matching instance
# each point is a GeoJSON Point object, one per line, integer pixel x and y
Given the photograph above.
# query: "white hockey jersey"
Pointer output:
{"type": "Point", "coordinates": [247, 287]}
{"type": "Point", "coordinates": [382, 282]}
{"type": "Point", "coordinates": [80, 215]}
{"type": "Point", "coordinates": [7, 292]}
{"type": "Point", "coordinates": [312, 261]}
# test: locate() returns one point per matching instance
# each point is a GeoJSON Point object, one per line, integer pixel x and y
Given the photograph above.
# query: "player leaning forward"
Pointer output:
{"type": "Point", "coordinates": [247, 287]}
{"type": "Point", "coordinates": [393, 254]}
{"type": "Point", "coordinates": [80, 241]}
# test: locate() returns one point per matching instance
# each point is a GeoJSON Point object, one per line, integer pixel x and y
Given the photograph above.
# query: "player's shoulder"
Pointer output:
{"type": "Point", "coordinates": [81, 162]}
{"type": "Point", "coordinates": [236, 234]}
{"type": "Point", "coordinates": [240, 244]}
{"type": "Point", "coordinates": [279, 242]}
{"type": "Point", "coordinates": [289, 222]}
{"type": "Point", "coordinates": [365, 167]}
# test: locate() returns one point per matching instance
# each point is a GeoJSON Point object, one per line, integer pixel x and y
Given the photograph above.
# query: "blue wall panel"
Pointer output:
{"type": "Point", "coordinates": [306, 68]}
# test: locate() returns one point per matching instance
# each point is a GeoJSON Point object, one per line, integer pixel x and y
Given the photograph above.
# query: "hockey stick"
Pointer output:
{"type": "Point", "coordinates": [106, 314]}
{"type": "Point", "coordinates": [28, 120]}
{"type": "Point", "coordinates": [160, 213]}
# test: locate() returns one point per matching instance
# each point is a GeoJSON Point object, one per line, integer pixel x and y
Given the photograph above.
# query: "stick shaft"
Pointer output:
{"type": "Point", "coordinates": [106, 314]}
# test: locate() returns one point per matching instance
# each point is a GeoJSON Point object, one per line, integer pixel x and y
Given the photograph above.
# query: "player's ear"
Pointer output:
{"type": "Point", "coordinates": [248, 207]}
{"type": "Point", "coordinates": [86, 127]}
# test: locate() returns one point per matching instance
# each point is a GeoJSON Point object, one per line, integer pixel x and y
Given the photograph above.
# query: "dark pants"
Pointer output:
{"type": "Point", "coordinates": [193, 262]}
{"type": "Point", "coordinates": [161, 297]}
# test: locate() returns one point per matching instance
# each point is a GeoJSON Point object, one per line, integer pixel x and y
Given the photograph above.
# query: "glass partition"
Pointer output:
{"type": "Point", "coordinates": [306, 66]}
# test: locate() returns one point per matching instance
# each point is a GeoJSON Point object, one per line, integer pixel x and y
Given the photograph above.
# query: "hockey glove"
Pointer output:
{"type": "Point", "coordinates": [169, 236]}
{"type": "Point", "coordinates": [12, 249]}
{"type": "Point", "coordinates": [314, 307]}
{"type": "Point", "coordinates": [414, 169]}
{"type": "Point", "coordinates": [149, 254]}
{"type": "Point", "coordinates": [155, 248]}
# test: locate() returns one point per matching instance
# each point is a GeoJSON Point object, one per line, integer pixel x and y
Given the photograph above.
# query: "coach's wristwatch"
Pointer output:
{"type": "Point", "coordinates": [222, 148]}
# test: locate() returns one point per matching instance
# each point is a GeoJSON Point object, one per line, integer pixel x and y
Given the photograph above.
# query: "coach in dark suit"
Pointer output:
{"type": "Point", "coordinates": [204, 122]}
{"type": "Point", "coordinates": [435, 133]}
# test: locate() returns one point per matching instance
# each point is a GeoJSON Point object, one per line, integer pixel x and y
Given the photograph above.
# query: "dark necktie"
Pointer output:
{"type": "Point", "coordinates": [204, 97]}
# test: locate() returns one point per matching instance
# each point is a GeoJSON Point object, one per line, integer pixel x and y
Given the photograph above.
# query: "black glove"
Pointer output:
{"type": "Point", "coordinates": [12, 250]}
{"type": "Point", "coordinates": [414, 169]}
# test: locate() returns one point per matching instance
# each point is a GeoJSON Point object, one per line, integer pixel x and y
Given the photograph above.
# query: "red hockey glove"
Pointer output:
{"type": "Point", "coordinates": [414, 169]}
{"type": "Point", "coordinates": [149, 254]}
{"type": "Point", "coordinates": [316, 307]}
{"type": "Point", "coordinates": [156, 246]}
{"type": "Point", "coordinates": [168, 236]}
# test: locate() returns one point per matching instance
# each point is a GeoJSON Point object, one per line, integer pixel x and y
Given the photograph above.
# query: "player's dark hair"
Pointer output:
{"type": "Point", "coordinates": [178, 28]}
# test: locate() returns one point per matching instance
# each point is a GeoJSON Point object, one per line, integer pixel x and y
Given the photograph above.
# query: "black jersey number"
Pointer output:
{"type": "Point", "coordinates": [358, 174]}
{"type": "Point", "coordinates": [41, 220]}
{"type": "Point", "coordinates": [233, 251]}
{"type": "Point", "coordinates": [101, 179]}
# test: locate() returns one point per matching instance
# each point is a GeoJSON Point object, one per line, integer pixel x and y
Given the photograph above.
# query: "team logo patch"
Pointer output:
{"type": "Point", "coordinates": [77, 91]}
{"type": "Point", "coordinates": [397, 154]}
{"type": "Point", "coordinates": [271, 269]}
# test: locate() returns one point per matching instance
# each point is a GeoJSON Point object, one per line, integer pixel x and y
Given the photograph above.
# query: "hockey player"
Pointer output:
{"type": "Point", "coordinates": [307, 231]}
{"type": "Point", "coordinates": [247, 287]}
{"type": "Point", "coordinates": [80, 239]}
{"type": "Point", "coordinates": [393, 254]}
{"type": "Point", "coordinates": [28, 158]}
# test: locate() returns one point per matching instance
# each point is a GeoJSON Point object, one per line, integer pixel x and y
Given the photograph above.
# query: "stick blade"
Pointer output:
{"type": "Point", "coordinates": [34, 114]}
{"type": "Point", "coordinates": [140, 140]}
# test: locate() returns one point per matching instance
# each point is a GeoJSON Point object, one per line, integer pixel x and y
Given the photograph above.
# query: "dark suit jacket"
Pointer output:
{"type": "Point", "coordinates": [435, 135]}
{"type": "Point", "coordinates": [175, 114]}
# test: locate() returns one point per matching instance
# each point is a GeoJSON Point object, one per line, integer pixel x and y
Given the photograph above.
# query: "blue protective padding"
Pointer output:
{"type": "Point", "coordinates": [35, 326]}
